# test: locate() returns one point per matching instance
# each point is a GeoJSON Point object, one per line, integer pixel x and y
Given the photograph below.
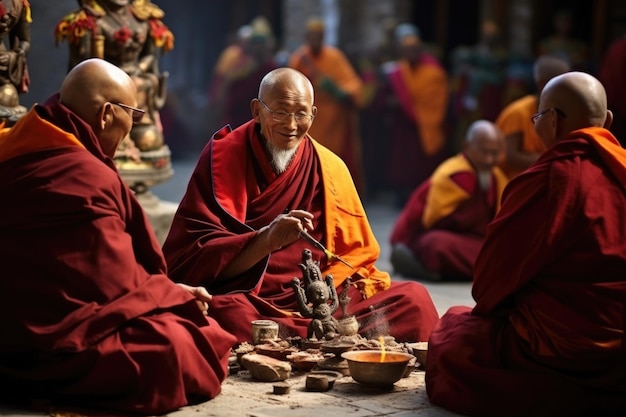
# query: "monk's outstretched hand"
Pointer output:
{"type": "Point", "coordinates": [287, 227]}
{"type": "Point", "coordinates": [203, 298]}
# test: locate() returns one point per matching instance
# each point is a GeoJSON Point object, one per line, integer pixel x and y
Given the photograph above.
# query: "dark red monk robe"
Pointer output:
{"type": "Point", "coordinates": [546, 336]}
{"type": "Point", "coordinates": [233, 192]}
{"type": "Point", "coordinates": [445, 219]}
{"type": "Point", "coordinates": [88, 316]}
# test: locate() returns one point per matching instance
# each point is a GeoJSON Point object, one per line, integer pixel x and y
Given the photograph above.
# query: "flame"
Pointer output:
{"type": "Point", "coordinates": [382, 347]}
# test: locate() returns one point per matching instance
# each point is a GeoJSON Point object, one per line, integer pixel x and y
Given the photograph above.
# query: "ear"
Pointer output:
{"type": "Point", "coordinates": [255, 108]}
{"type": "Point", "coordinates": [105, 116]}
{"type": "Point", "coordinates": [314, 110]}
{"type": "Point", "coordinates": [609, 119]}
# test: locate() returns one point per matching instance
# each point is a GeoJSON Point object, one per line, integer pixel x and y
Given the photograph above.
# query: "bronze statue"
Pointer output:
{"type": "Point", "coordinates": [347, 324]}
{"type": "Point", "coordinates": [318, 299]}
{"type": "Point", "coordinates": [15, 20]}
{"type": "Point", "coordinates": [129, 34]}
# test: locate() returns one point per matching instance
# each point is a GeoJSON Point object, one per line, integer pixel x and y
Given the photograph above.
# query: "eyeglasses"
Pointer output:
{"type": "Point", "coordinates": [537, 116]}
{"type": "Point", "coordinates": [282, 116]}
{"type": "Point", "coordinates": [135, 113]}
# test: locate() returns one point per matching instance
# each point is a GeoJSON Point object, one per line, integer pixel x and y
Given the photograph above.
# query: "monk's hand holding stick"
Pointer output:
{"type": "Point", "coordinates": [286, 228]}
{"type": "Point", "coordinates": [203, 298]}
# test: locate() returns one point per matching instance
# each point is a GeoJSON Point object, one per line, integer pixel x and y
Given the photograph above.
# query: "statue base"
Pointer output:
{"type": "Point", "coordinates": [154, 167]}
{"type": "Point", "coordinates": [160, 213]}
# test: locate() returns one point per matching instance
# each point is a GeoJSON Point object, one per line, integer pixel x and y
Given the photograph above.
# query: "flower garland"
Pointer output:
{"type": "Point", "coordinates": [74, 27]}
{"type": "Point", "coordinates": [163, 37]}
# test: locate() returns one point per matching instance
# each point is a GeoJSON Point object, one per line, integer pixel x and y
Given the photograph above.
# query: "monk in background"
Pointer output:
{"type": "Point", "coordinates": [440, 230]}
{"type": "Point", "coordinates": [88, 317]}
{"type": "Point", "coordinates": [523, 144]}
{"type": "Point", "coordinates": [339, 95]}
{"type": "Point", "coordinates": [255, 190]}
{"type": "Point", "coordinates": [546, 336]}
{"type": "Point", "coordinates": [413, 103]}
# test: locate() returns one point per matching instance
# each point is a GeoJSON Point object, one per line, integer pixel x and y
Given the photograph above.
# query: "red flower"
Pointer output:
{"type": "Point", "coordinates": [122, 35]}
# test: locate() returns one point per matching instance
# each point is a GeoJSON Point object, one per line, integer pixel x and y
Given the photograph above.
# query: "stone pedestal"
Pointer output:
{"type": "Point", "coordinates": [160, 213]}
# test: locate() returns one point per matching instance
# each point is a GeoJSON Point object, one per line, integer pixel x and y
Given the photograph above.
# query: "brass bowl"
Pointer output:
{"type": "Point", "coordinates": [420, 350]}
{"type": "Point", "coordinates": [367, 369]}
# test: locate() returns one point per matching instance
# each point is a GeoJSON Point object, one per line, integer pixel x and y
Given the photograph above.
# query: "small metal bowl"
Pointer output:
{"type": "Point", "coordinates": [367, 369]}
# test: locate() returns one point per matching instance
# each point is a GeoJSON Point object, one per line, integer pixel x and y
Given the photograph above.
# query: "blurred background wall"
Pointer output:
{"type": "Point", "coordinates": [204, 28]}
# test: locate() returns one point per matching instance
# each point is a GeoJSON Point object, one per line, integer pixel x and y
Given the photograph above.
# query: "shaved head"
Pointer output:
{"type": "Point", "coordinates": [482, 129]}
{"type": "Point", "coordinates": [92, 90]}
{"type": "Point", "coordinates": [281, 77]}
{"type": "Point", "coordinates": [484, 145]}
{"type": "Point", "coordinates": [93, 82]}
{"type": "Point", "coordinates": [284, 112]}
{"type": "Point", "coordinates": [580, 96]}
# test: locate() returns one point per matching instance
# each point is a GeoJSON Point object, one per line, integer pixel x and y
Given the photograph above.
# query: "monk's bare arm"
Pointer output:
{"type": "Point", "coordinates": [282, 231]}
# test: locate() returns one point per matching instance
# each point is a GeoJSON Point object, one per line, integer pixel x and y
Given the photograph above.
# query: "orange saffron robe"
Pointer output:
{"type": "Point", "coordinates": [336, 123]}
{"type": "Point", "coordinates": [445, 219]}
{"type": "Point", "coordinates": [233, 193]}
{"type": "Point", "coordinates": [515, 118]}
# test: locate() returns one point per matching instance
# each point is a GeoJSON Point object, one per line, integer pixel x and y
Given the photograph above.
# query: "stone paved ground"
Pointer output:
{"type": "Point", "coordinates": [243, 397]}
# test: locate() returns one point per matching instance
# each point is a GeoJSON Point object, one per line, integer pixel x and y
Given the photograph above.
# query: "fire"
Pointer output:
{"type": "Point", "coordinates": [382, 347]}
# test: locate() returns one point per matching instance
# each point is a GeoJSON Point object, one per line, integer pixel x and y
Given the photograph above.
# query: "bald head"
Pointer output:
{"type": "Point", "coordinates": [580, 98]}
{"type": "Point", "coordinates": [484, 144]}
{"type": "Point", "coordinates": [92, 83]}
{"type": "Point", "coordinates": [547, 67]}
{"type": "Point", "coordinates": [282, 78]}
{"type": "Point", "coordinates": [93, 90]}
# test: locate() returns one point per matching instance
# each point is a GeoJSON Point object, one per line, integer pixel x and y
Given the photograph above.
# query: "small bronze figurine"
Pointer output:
{"type": "Point", "coordinates": [317, 299]}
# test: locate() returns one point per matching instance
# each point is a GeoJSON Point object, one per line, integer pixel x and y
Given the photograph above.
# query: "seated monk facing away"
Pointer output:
{"type": "Point", "coordinates": [546, 336]}
{"type": "Point", "coordinates": [440, 230]}
{"type": "Point", "coordinates": [254, 191]}
{"type": "Point", "coordinates": [88, 317]}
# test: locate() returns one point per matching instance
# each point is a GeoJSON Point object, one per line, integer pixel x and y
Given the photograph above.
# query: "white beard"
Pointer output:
{"type": "Point", "coordinates": [484, 180]}
{"type": "Point", "coordinates": [280, 158]}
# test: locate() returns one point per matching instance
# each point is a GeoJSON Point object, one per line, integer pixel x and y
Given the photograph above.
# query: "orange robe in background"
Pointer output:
{"type": "Point", "coordinates": [88, 316]}
{"type": "Point", "coordinates": [413, 102]}
{"type": "Point", "coordinates": [338, 96]}
{"type": "Point", "coordinates": [445, 219]}
{"type": "Point", "coordinates": [546, 336]}
{"type": "Point", "coordinates": [233, 193]}
{"type": "Point", "coordinates": [515, 118]}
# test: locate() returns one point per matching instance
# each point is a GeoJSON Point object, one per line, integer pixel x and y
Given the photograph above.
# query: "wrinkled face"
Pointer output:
{"type": "Point", "coordinates": [485, 152]}
{"type": "Point", "coordinates": [285, 115]}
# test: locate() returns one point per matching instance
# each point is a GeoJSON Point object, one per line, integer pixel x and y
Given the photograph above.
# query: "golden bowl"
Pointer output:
{"type": "Point", "coordinates": [367, 369]}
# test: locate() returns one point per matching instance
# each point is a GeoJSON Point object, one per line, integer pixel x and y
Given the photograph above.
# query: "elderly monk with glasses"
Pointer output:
{"type": "Point", "coordinates": [254, 192]}
{"type": "Point", "coordinates": [88, 315]}
{"type": "Point", "coordinates": [546, 336]}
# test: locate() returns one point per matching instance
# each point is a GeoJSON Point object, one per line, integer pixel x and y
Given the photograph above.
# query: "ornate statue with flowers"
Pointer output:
{"type": "Point", "coordinates": [15, 20]}
{"type": "Point", "coordinates": [131, 35]}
